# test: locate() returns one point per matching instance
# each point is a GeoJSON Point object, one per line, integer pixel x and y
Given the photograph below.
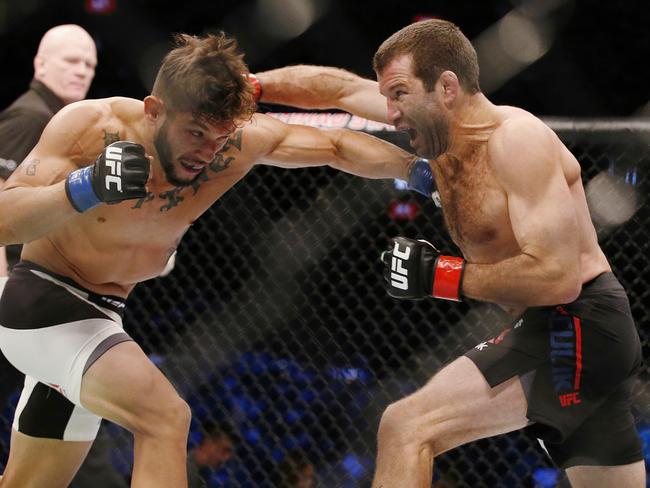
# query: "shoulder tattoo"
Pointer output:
{"type": "Point", "coordinates": [110, 137]}
{"type": "Point", "coordinates": [234, 141]}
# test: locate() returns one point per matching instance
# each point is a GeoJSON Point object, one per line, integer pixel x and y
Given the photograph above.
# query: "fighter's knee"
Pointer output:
{"type": "Point", "coordinates": [401, 425]}
{"type": "Point", "coordinates": [394, 426]}
{"type": "Point", "coordinates": [171, 419]}
{"type": "Point", "coordinates": [177, 415]}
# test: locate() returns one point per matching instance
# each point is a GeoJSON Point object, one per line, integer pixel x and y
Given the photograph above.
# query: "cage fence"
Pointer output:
{"type": "Point", "coordinates": [275, 319]}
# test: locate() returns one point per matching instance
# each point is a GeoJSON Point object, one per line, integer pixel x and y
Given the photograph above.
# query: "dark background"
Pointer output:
{"type": "Point", "coordinates": [334, 319]}
{"type": "Point", "coordinates": [597, 65]}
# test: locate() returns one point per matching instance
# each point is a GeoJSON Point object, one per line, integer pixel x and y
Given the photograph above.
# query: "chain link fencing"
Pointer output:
{"type": "Point", "coordinates": [275, 319]}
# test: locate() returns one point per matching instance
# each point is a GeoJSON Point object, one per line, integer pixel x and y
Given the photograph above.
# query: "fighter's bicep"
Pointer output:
{"type": "Point", "coordinates": [40, 168]}
{"type": "Point", "coordinates": [290, 145]}
{"type": "Point", "coordinates": [543, 219]}
{"type": "Point", "coordinates": [526, 160]}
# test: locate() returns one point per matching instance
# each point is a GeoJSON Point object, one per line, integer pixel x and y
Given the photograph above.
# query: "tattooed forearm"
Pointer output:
{"type": "Point", "coordinates": [110, 137]}
{"type": "Point", "coordinates": [30, 168]}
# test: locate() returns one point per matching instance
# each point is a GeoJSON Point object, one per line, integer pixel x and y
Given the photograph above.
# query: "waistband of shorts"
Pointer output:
{"type": "Point", "coordinates": [604, 282]}
{"type": "Point", "coordinates": [111, 302]}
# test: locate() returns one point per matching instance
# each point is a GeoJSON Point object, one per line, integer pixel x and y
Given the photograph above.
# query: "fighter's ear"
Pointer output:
{"type": "Point", "coordinates": [449, 85]}
{"type": "Point", "coordinates": [154, 108]}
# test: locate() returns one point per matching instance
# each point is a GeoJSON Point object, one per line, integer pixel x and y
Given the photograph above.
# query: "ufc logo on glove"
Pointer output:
{"type": "Point", "coordinates": [415, 269]}
{"type": "Point", "coordinates": [119, 173]}
{"type": "Point", "coordinates": [399, 274]}
{"type": "Point", "coordinates": [114, 163]}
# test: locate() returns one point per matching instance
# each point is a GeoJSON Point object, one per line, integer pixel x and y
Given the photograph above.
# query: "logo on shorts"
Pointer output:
{"type": "Point", "coordinates": [112, 302]}
{"type": "Point", "coordinates": [58, 388]}
{"type": "Point", "coordinates": [566, 357]}
{"type": "Point", "coordinates": [569, 399]}
{"type": "Point", "coordinates": [481, 346]}
{"type": "Point", "coordinates": [499, 339]}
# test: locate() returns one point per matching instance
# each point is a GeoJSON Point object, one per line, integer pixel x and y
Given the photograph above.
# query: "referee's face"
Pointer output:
{"type": "Point", "coordinates": [67, 65]}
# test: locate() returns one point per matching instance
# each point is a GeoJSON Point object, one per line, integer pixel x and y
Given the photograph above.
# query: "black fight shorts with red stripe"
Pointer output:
{"type": "Point", "coordinates": [577, 364]}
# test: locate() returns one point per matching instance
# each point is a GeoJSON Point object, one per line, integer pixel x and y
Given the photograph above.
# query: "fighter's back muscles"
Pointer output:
{"type": "Point", "coordinates": [323, 87]}
{"type": "Point", "coordinates": [33, 201]}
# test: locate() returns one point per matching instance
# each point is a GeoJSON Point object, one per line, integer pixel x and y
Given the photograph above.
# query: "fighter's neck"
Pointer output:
{"type": "Point", "coordinates": [473, 120]}
{"type": "Point", "coordinates": [144, 131]}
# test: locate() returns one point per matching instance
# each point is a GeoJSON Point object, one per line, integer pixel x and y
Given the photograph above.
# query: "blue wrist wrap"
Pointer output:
{"type": "Point", "coordinates": [79, 189]}
{"type": "Point", "coordinates": [421, 178]}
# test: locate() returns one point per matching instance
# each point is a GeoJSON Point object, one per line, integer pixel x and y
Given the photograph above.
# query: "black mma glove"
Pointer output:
{"type": "Point", "coordinates": [416, 269]}
{"type": "Point", "coordinates": [120, 173]}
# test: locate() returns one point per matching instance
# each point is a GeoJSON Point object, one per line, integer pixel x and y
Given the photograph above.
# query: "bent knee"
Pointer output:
{"type": "Point", "coordinates": [402, 425]}
{"type": "Point", "coordinates": [170, 418]}
{"type": "Point", "coordinates": [398, 424]}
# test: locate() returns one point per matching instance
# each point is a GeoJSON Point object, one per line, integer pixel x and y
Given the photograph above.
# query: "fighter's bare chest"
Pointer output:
{"type": "Point", "coordinates": [473, 203]}
{"type": "Point", "coordinates": [164, 212]}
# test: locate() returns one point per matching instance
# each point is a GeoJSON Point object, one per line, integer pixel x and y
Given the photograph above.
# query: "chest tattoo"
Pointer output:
{"type": "Point", "coordinates": [174, 198]}
{"type": "Point", "coordinates": [143, 200]}
{"type": "Point", "coordinates": [202, 178]}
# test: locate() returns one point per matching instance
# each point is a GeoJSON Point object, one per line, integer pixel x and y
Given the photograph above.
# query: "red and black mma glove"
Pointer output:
{"type": "Point", "coordinates": [120, 173]}
{"type": "Point", "coordinates": [257, 86]}
{"type": "Point", "coordinates": [415, 269]}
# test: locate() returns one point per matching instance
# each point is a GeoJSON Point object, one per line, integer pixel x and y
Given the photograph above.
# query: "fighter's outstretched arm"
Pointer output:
{"type": "Point", "coordinates": [297, 146]}
{"type": "Point", "coordinates": [323, 87]}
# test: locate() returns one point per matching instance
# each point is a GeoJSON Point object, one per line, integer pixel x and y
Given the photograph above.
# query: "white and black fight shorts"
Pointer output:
{"type": "Point", "coordinates": [53, 330]}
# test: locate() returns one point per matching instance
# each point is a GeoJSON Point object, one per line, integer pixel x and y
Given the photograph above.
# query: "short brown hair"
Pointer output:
{"type": "Point", "coordinates": [207, 77]}
{"type": "Point", "coordinates": [435, 46]}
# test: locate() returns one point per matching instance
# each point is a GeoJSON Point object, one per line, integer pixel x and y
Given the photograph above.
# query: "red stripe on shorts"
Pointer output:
{"type": "Point", "coordinates": [578, 331]}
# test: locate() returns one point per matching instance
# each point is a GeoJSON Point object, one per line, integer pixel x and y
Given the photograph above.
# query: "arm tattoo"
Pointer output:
{"type": "Point", "coordinates": [30, 169]}
{"type": "Point", "coordinates": [110, 137]}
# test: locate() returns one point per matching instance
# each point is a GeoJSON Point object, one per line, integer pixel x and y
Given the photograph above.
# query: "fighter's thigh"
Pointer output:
{"type": "Point", "coordinates": [626, 476]}
{"type": "Point", "coordinates": [124, 386]}
{"type": "Point", "coordinates": [42, 463]}
{"type": "Point", "coordinates": [458, 406]}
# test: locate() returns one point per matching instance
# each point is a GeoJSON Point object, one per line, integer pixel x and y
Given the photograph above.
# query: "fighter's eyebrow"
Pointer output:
{"type": "Point", "coordinates": [200, 124]}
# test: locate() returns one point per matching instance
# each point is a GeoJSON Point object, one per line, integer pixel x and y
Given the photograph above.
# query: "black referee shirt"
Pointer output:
{"type": "Point", "coordinates": [22, 123]}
